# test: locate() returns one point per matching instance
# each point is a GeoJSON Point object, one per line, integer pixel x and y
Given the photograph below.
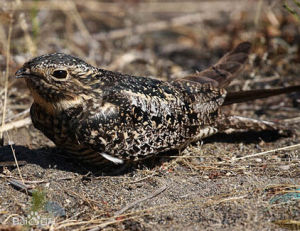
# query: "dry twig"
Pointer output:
{"type": "Point", "coordinates": [130, 205]}
{"type": "Point", "coordinates": [16, 124]}
{"type": "Point", "coordinates": [26, 111]}
{"type": "Point", "coordinates": [154, 26]}
{"type": "Point", "coordinates": [6, 77]}
{"type": "Point", "coordinates": [266, 152]}
{"type": "Point", "coordinates": [20, 186]}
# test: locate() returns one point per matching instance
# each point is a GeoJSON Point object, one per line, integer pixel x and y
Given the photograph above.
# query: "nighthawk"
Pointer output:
{"type": "Point", "coordinates": [98, 115]}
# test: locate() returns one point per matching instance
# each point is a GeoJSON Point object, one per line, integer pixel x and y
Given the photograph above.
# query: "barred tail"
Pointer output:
{"type": "Point", "coordinates": [225, 70]}
{"type": "Point", "coordinates": [243, 96]}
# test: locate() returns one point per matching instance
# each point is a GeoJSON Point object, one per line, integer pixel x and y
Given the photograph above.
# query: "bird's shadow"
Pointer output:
{"type": "Point", "coordinates": [54, 158]}
{"type": "Point", "coordinates": [247, 137]}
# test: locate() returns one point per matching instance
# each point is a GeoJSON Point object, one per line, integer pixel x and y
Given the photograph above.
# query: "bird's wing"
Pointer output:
{"type": "Point", "coordinates": [124, 109]}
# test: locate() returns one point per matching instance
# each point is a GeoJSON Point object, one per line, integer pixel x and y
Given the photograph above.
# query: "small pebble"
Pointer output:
{"type": "Point", "coordinates": [55, 209]}
{"type": "Point", "coordinates": [284, 167]}
{"type": "Point", "coordinates": [258, 160]}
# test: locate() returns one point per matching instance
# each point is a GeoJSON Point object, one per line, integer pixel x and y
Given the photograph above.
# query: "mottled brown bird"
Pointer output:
{"type": "Point", "coordinates": [98, 115]}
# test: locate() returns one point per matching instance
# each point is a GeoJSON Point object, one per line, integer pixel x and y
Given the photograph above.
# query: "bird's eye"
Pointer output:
{"type": "Point", "coordinates": [60, 74]}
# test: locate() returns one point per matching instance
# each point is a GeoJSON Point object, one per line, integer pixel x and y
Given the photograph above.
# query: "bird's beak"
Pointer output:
{"type": "Point", "coordinates": [23, 72]}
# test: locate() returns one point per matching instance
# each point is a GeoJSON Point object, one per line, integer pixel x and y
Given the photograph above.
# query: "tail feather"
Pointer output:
{"type": "Point", "coordinates": [243, 96]}
{"type": "Point", "coordinates": [226, 69]}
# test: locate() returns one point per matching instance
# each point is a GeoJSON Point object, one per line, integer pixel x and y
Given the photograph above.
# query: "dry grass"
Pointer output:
{"type": "Point", "coordinates": [227, 182]}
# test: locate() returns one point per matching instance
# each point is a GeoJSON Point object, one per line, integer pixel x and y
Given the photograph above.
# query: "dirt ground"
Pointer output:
{"type": "Point", "coordinates": [246, 180]}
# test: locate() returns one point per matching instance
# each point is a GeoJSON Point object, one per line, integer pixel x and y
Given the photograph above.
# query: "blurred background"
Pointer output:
{"type": "Point", "coordinates": [172, 36]}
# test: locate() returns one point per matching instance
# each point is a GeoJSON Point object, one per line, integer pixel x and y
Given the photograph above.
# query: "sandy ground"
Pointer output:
{"type": "Point", "coordinates": [225, 182]}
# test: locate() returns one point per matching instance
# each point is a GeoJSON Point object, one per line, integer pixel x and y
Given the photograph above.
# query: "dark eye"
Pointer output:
{"type": "Point", "coordinates": [60, 74]}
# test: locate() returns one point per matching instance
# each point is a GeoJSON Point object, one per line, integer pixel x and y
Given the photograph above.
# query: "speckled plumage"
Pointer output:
{"type": "Point", "coordinates": [99, 115]}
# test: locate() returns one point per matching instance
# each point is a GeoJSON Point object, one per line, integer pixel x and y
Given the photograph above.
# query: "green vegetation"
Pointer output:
{"type": "Point", "coordinates": [292, 10]}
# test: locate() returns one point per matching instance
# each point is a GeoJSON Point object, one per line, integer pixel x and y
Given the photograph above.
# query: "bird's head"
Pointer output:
{"type": "Point", "coordinates": [56, 78]}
